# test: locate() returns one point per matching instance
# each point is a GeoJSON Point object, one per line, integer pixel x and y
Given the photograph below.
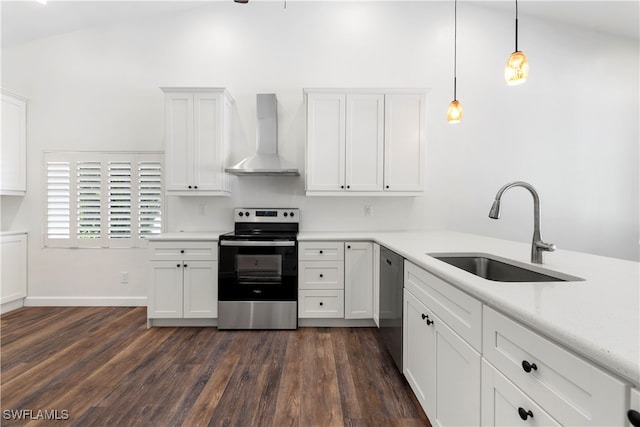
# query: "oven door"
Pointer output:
{"type": "Point", "coordinates": [260, 270]}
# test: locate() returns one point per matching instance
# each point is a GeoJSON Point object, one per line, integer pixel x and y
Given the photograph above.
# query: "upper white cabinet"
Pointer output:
{"type": "Point", "coordinates": [365, 142]}
{"type": "Point", "coordinates": [197, 122]}
{"type": "Point", "coordinates": [13, 151]}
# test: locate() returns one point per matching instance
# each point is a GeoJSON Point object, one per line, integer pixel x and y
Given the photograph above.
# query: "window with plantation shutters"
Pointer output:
{"type": "Point", "coordinates": [99, 200]}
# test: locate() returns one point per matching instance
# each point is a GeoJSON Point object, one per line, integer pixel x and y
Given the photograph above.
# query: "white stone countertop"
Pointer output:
{"type": "Point", "coordinates": [598, 318]}
{"type": "Point", "coordinates": [12, 232]}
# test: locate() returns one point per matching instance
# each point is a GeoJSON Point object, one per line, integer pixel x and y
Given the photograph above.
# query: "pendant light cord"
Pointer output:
{"type": "Point", "coordinates": [516, 26]}
{"type": "Point", "coordinates": [455, 46]}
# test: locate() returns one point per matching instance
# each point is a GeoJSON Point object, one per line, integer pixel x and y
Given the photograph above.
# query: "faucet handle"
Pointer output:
{"type": "Point", "coordinates": [548, 247]}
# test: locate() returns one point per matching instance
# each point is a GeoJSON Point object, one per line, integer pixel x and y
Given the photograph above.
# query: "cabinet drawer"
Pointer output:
{"type": "Point", "coordinates": [321, 251]}
{"type": "Point", "coordinates": [571, 390]}
{"type": "Point", "coordinates": [174, 250]}
{"type": "Point", "coordinates": [321, 275]}
{"type": "Point", "coordinates": [321, 304]}
{"type": "Point", "coordinates": [459, 311]}
{"type": "Point", "coordinates": [503, 402]}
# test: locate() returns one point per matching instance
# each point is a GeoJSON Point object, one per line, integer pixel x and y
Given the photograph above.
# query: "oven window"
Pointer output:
{"type": "Point", "coordinates": [259, 268]}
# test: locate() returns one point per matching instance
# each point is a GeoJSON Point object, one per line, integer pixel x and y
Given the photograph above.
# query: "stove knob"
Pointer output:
{"type": "Point", "coordinates": [246, 214]}
{"type": "Point", "coordinates": [285, 214]}
{"type": "Point", "coordinates": [291, 214]}
{"type": "Point", "coordinates": [240, 214]}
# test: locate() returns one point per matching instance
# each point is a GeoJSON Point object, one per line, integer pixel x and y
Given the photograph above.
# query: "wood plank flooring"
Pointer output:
{"type": "Point", "coordinates": [100, 366]}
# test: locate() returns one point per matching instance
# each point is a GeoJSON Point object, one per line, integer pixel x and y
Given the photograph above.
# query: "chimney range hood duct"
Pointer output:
{"type": "Point", "coordinates": [266, 160]}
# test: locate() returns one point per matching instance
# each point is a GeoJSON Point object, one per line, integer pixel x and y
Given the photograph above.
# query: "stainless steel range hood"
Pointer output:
{"type": "Point", "coordinates": [266, 160]}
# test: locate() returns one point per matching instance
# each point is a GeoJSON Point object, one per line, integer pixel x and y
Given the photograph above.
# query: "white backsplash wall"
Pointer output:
{"type": "Point", "coordinates": [571, 130]}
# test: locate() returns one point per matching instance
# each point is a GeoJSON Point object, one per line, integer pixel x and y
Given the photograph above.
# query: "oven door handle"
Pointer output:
{"type": "Point", "coordinates": [257, 243]}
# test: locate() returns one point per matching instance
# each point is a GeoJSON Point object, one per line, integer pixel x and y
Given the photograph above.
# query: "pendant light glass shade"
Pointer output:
{"type": "Point", "coordinates": [454, 112]}
{"type": "Point", "coordinates": [517, 69]}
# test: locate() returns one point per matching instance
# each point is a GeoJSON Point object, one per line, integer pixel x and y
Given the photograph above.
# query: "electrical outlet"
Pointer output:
{"type": "Point", "coordinates": [368, 210]}
{"type": "Point", "coordinates": [124, 277]}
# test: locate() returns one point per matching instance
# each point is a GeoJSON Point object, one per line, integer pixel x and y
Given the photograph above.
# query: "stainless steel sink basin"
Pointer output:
{"type": "Point", "coordinates": [492, 267]}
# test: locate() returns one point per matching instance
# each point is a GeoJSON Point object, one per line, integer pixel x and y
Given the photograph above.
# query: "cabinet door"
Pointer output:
{"type": "Point", "coordinates": [504, 404]}
{"type": "Point", "coordinates": [13, 148]}
{"type": "Point", "coordinates": [207, 142]}
{"type": "Point", "coordinates": [200, 289]}
{"type": "Point", "coordinates": [325, 142]}
{"type": "Point", "coordinates": [364, 142]}
{"type": "Point", "coordinates": [404, 146]}
{"type": "Point", "coordinates": [444, 368]}
{"type": "Point", "coordinates": [633, 415]}
{"type": "Point", "coordinates": [13, 284]}
{"type": "Point", "coordinates": [165, 294]}
{"type": "Point", "coordinates": [179, 141]}
{"type": "Point", "coordinates": [358, 280]}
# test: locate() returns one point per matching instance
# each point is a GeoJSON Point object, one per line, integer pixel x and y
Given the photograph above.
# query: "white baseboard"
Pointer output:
{"type": "Point", "coordinates": [11, 305]}
{"type": "Point", "coordinates": [85, 302]}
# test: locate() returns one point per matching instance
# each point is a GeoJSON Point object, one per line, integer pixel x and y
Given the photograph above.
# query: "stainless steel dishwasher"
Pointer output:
{"type": "Point", "coordinates": [390, 313]}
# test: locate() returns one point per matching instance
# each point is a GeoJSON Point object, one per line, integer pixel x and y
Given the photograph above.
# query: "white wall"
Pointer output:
{"type": "Point", "coordinates": [571, 130]}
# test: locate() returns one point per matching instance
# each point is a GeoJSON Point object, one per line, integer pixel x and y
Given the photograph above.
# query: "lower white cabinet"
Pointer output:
{"type": "Point", "coordinates": [358, 279]}
{"type": "Point", "coordinates": [568, 388]}
{"type": "Point", "coordinates": [376, 284]}
{"type": "Point", "coordinates": [504, 404]}
{"type": "Point", "coordinates": [633, 414]}
{"type": "Point", "coordinates": [13, 285]}
{"type": "Point", "coordinates": [186, 286]}
{"type": "Point", "coordinates": [441, 368]}
{"type": "Point", "coordinates": [321, 280]}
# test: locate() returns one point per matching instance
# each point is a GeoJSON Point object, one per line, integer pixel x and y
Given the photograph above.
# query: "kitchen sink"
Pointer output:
{"type": "Point", "coordinates": [498, 269]}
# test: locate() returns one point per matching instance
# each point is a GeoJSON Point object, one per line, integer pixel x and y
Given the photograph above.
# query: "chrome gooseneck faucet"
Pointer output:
{"type": "Point", "coordinates": [537, 246]}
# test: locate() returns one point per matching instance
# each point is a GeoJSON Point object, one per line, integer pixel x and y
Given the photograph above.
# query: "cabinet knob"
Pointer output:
{"type": "Point", "coordinates": [185, 265]}
{"type": "Point", "coordinates": [195, 186]}
{"type": "Point", "coordinates": [386, 186]}
{"type": "Point", "coordinates": [429, 321]}
{"type": "Point", "coordinates": [321, 251]}
{"type": "Point", "coordinates": [424, 316]}
{"type": "Point", "coordinates": [321, 275]}
{"type": "Point", "coordinates": [189, 186]}
{"type": "Point", "coordinates": [181, 251]}
{"type": "Point", "coordinates": [321, 303]}
{"type": "Point", "coordinates": [634, 418]}
{"type": "Point", "coordinates": [348, 246]}
{"type": "Point", "coordinates": [178, 265]}
{"type": "Point", "coordinates": [348, 186]}
{"type": "Point", "coordinates": [529, 366]}
{"type": "Point", "coordinates": [525, 414]}
{"type": "Point", "coordinates": [342, 186]}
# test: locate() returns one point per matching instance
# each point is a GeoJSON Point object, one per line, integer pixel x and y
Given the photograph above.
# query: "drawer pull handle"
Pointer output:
{"type": "Point", "coordinates": [529, 366]}
{"type": "Point", "coordinates": [429, 321]}
{"type": "Point", "coordinates": [634, 418]}
{"type": "Point", "coordinates": [525, 414]}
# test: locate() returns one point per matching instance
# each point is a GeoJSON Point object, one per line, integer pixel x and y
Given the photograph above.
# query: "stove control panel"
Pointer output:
{"type": "Point", "coordinates": [266, 215]}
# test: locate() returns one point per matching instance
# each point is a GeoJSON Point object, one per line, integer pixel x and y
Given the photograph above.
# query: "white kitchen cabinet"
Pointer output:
{"type": "Point", "coordinates": [186, 286]}
{"type": "Point", "coordinates": [633, 415]}
{"type": "Point", "coordinates": [197, 125]}
{"type": "Point", "coordinates": [13, 254]}
{"type": "Point", "coordinates": [566, 387]}
{"type": "Point", "coordinates": [351, 133]}
{"type": "Point", "coordinates": [503, 404]}
{"type": "Point", "coordinates": [321, 280]}
{"type": "Point", "coordinates": [13, 148]}
{"type": "Point", "coordinates": [441, 368]}
{"type": "Point", "coordinates": [358, 278]}
{"type": "Point", "coordinates": [404, 144]}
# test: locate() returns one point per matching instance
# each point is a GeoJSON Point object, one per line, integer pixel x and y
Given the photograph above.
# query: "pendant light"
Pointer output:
{"type": "Point", "coordinates": [516, 70]}
{"type": "Point", "coordinates": [454, 112]}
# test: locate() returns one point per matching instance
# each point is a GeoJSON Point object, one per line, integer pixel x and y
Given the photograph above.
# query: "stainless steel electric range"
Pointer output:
{"type": "Point", "coordinates": [258, 270]}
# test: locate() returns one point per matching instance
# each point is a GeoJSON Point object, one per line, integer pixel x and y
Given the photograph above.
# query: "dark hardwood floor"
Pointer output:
{"type": "Point", "coordinates": [100, 366]}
